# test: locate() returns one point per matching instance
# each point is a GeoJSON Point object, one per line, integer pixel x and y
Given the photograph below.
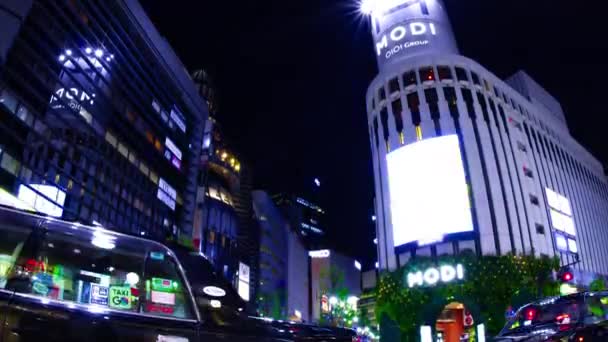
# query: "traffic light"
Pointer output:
{"type": "Point", "coordinates": [565, 275]}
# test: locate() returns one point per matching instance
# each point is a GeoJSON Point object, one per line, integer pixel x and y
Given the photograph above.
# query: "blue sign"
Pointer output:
{"type": "Point", "coordinates": [99, 294]}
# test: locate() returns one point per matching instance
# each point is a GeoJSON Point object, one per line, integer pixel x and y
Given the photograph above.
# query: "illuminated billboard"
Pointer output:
{"type": "Point", "coordinates": [402, 28]}
{"type": "Point", "coordinates": [428, 191]}
{"type": "Point", "coordinates": [47, 199]}
{"type": "Point", "coordinates": [562, 222]}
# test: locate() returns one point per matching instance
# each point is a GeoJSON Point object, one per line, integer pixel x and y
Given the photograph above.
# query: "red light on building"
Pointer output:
{"type": "Point", "coordinates": [567, 276]}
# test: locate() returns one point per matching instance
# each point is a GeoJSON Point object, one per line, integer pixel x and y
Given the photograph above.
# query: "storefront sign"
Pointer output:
{"type": "Point", "coordinates": [323, 253]}
{"type": "Point", "coordinates": [324, 304]}
{"type": "Point", "coordinates": [178, 119]}
{"type": "Point", "coordinates": [99, 294]}
{"type": "Point", "coordinates": [166, 193]}
{"type": "Point", "coordinates": [433, 275]}
{"type": "Point", "coordinates": [163, 298]}
{"type": "Point", "coordinates": [120, 297]}
{"type": "Point", "coordinates": [173, 148]}
{"type": "Point", "coordinates": [402, 28]}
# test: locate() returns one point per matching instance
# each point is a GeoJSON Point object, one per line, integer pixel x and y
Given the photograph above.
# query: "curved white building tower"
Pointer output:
{"type": "Point", "coordinates": [464, 161]}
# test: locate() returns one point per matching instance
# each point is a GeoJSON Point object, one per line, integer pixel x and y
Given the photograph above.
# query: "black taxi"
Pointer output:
{"type": "Point", "coordinates": [63, 281]}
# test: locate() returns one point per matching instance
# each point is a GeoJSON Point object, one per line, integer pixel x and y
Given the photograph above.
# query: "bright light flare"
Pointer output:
{"type": "Point", "coordinates": [367, 6]}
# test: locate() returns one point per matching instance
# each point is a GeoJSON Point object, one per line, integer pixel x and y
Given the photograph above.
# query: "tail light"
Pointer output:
{"type": "Point", "coordinates": [563, 319]}
{"type": "Point", "coordinates": [530, 314]}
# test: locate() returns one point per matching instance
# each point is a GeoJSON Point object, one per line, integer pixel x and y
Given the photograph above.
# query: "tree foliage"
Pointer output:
{"type": "Point", "coordinates": [491, 285]}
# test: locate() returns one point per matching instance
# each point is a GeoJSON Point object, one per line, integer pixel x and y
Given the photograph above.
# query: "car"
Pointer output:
{"type": "Point", "coordinates": [65, 281]}
{"type": "Point", "coordinates": [577, 317]}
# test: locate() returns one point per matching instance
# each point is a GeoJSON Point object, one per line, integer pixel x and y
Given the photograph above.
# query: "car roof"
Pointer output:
{"type": "Point", "coordinates": [71, 228]}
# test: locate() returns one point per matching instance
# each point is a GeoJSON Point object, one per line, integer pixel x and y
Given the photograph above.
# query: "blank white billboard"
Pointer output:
{"type": "Point", "coordinates": [428, 191]}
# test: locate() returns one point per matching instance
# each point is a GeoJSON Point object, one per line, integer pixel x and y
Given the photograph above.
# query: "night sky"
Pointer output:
{"type": "Point", "coordinates": [292, 77]}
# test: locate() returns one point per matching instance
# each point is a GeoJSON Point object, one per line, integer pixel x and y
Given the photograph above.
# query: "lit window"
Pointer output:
{"type": "Point", "coordinates": [144, 169]}
{"type": "Point", "coordinates": [158, 145]}
{"type": "Point", "coordinates": [10, 164]}
{"type": "Point", "coordinates": [111, 139]}
{"type": "Point", "coordinates": [153, 177]}
{"type": "Point", "coordinates": [150, 137]}
{"type": "Point", "coordinates": [156, 106]}
{"type": "Point", "coordinates": [122, 149]}
{"type": "Point", "coordinates": [8, 100]}
{"type": "Point", "coordinates": [427, 74]}
{"type": "Point", "coordinates": [133, 158]}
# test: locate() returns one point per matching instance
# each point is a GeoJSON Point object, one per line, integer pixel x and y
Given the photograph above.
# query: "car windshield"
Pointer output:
{"type": "Point", "coordinates": [553, 311]}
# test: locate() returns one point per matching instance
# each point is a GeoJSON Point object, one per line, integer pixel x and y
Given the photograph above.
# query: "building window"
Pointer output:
{"type": "Point", "coordinates": [414, 103]}
{"type": "Point", "coordinates": [496, 92]}
{"type": "Point", "coordinates": [10, 164]}
{"type": "Point", "coordinates": [8, 100]}
{"type": "Point", "coordinates": [393, 86]}
{"type": "Point", "coordinates": [382, 94]}
{"type": "Point", "coordinates": [461, 74]}
{"type": "Point", "coordinates": [397, 108]}
{"type": "Point", "coordinates": [534, 200]}
{"type": "Point", "coordinates": [427, 74]}
{"type": "Point", "coordinates": [540, 229]}
{"type": "Point", "coordinates": [409, 79]}
{"type": "Point", "coordinates": [111, 139]}
{"type": "Point", "coordinates": [528, 172]}
{"type": "Point", "coordinates": [475, 78]}
{"type": "Point", "coordinates": [376, 137]}
{"type": "Point", "coordinates": [445, 73]}
{"type": "Point", "coordinates": [384, 119]}
{"type": "Point", "coordinates": [521, 146]}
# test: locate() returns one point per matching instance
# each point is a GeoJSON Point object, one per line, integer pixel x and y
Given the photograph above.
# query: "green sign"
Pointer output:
{"type": "Point", "coordinates": [120, 297]}
{"type": "Point", "coordinates": [163, 285]}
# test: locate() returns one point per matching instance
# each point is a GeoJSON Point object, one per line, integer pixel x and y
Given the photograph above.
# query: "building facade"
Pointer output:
{"type": "Point", "coordinates": [223, 227]}
{"type": "Point", "coordinates": [306, 218]}
{"type": "Point", "coordinates": [464, 161]}
{"type": "Point", "coordinates": [332, 274]}
{"type": "Point", "coordinates": [100, 122]}
{"type": "Point", "coordinates": [283, 291]}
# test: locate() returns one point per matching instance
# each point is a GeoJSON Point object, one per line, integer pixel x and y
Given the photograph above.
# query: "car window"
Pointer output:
{"type": "Point", "coordinates": [13, 239]}
{"type": "Point", "coordinates": [166, 293]}
{"type": "Point", "coordinates": [216, 299]}
{"type": "Point", "coordinates": [104, 270]}
{"type": "Point", "coordinates": [597, 308]}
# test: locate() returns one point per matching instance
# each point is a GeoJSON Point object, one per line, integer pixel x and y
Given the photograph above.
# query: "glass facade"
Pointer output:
{"type": "Point", "coordinates": [95, 125]}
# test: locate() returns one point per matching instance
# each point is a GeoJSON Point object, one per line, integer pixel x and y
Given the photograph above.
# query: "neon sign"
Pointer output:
{"type": "Point", "coordinates": [74, 98]}
{"type": "Point", "coordinates": [323, 253]}
{"type": "Point", "coordinates": [433, 275]}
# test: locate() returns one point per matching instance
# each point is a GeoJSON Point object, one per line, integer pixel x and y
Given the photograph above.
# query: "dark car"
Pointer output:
{"type": "Point", "coordinates": [578, 317]}
{"type": "Point", "coordinates": [230, 310]}
{"type": "Point", "coordinates": [62, 281]}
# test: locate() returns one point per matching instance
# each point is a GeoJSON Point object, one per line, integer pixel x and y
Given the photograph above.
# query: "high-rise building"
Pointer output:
{"type": "Point", "coordinates": [99, 120]}
{"type": "Point", "coordinates": [307, 219]}
{"type": "Point", "coordinates": [464, 161]}
{"type": "Point", "coordinates": [224, 230]}
{"type": "Point", "coordinates": [283, 291]}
